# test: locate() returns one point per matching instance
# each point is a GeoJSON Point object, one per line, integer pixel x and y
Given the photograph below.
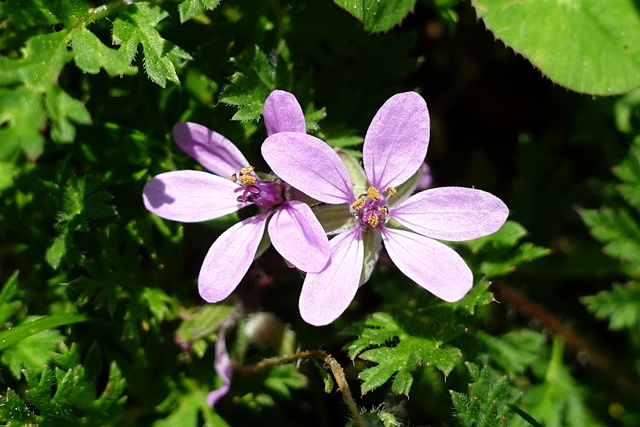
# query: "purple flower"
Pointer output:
{"type": "Point", "coordinates": [394, 149]}
{"type": "Point", "coordinates": [193, 196]}
{"type": "Point", "coordinates": [222, 364]}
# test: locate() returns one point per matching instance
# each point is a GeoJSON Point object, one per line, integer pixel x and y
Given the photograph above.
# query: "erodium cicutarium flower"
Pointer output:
{"type": "Point", "coordinates": [394, 148]}
{"type": "Point", "coordinates": [194, 196]}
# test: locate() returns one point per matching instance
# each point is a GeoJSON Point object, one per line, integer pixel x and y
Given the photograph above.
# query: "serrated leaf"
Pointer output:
{"type": "Point", "coordinates": [136, 26]}
{"type": "Point", "coordinates": [588, 46]}
{"type": "Point", "coordinates": [191, 8]}
{"type": "Point", "coordinates": [90, 55]}
{"type": "Point", "coordinates": [621, 305]}
{"type": "Point", "coordinates": [258, 74]}
{"type": "Point", "coordinates": [30, 13]}
{"type": "Point", "coordinates": [618, 229]}
{"type": "Point", "coordinates": [22, 118]}
{"type": "Point", "coordinates": [32, 352]}
{"type": "Point", "coordinates": [13, 410]}
{"type": "Point", "coordinates": [514, 351]}
{"type": "Point", "coordinates": [487, 402]}
{"type": "Point", "coordinates": [375, 15]}
{"type": "Point", "coordinates": [62, 108]}
{"type": "Point", "coordinates": [399, 349]}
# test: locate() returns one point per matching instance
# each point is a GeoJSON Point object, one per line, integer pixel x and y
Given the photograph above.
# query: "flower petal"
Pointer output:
{"type": "Point", "coordinates": [222, 364]}
{"type": "Point", "coordinates": [397, 140]}
{"type": "Point", "coordinates": [296, 233]}
{"type": "Point", "coordinates": [212, 150]}
{"type": "Point", "coordinates": [190, 196]}
{"type": "Point", "coordinates": [229, 258]}
{"type": "Point", "coordinates": [310, 165]}
{"type": "Point", "coordinates": [327, 294]}
{"type": "Point", "coordinates": [452, 213]}
{"type": "Point", "coordinates": [282, 113]}
{"type": "Point", "coordinates": [431, 264]}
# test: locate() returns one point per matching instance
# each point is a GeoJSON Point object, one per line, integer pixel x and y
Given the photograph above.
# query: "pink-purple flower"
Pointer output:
{"type": "Point", "coordinates": [194, 196]}
{"type": "Point", "coordinates": [394, 149]}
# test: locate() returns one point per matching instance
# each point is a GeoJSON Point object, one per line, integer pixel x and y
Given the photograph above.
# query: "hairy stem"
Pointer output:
{"type": "Point", "coordinates": [329, 361]}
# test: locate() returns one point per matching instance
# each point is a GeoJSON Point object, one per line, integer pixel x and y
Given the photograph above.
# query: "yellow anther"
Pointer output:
{"type": "Point", "coordinates": [247, 179]}
{"type": "Point", "coordinates": [357, 205]}
{"type": "Point", "coordinates": [384, 211]}
{"type": "Point", "coordinates": [373, 221]}
{"type": "Point", "coordinates": [233, 178]}
{"type": "Point", "coordinates": [373, 193]}
{"type": "Point", "coordinates": [246, 170]}
{"type": "Point", "coordinates": [392, 191]}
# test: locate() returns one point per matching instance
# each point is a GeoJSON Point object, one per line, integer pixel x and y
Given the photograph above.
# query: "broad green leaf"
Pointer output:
{"type": "Point", "coordinates": [621, 305]}
{"type": "Point", "coordinates": [416, 343]}
{"type": "Point", "coordinates": [90, 55]}
{"type": "Point", "coordinates": [13, 411]}
{"type": "Point", "coordinates": [30, 13]}
{"type": "Point", "coordinates": [136, 26]}
{"type": "Point", "coordinates": [487, 402]}
{"type": "Point", "coordinates": [191, 8]}
{"type": "Point", "coordinates": [62, 108]}
{"type": "Point", "coordinates": [589, 46]}
{"type": "Point", "coordinates": [18, 333]}
{"type": "Point", "coordinates": [376, 15]}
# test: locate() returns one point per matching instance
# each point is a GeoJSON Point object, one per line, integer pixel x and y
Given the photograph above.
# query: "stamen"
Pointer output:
{"type": "Point", "coordinates": [357, 205]}
{"type": "Point", "coordinates": [384, 211]}
{"type": "Point", "coordinates": [373, 193]}
{"type": "Point", "coordinates": [246, 170]}
{"type": "Point", "coordinates": [247, 179]}
{"type": "Point", "coordinates": [233, 178]}
{"type": "Point", "coordinates": [391, 191]}
{"type": "Point", "coordinates": [373, 221]}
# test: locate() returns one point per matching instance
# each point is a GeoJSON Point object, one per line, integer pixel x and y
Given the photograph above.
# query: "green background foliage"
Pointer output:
{"type": "Point", "coordinates": [100, 319]}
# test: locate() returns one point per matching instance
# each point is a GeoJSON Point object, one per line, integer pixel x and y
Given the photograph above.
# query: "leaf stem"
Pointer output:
{"type": "Point", "coordinates": [329, 361]}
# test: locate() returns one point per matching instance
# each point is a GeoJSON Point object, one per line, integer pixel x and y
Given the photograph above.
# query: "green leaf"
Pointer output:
{"type": "Point", "coordinates": [487, 403]}
{"type": "Point", "coordinates": [13, 410]}
{"type": "Point", "coordinates": [558, 400]}
{"type": "Point", "coordinates": [257, 75]}
{"type": "Point", "coordinates": [621, 305]}
{"type": "Point", "coordinates": [90, 55]}
{"type": "Point", "coordinates": [191, 8]}
{"type": "Point", "coordinates": [588, 46]}
{"type": "Point", "coordinates": [500, 253]}
{"type": "Point", "coordinates": [32, 352]}
{"type": "Point", "coordinates": [514, 351]}
{"type": "Point", "coordinates": [136, 26]}
{"type": "Point", "coordinates": [619, 230]}
{"type": "Point", "coordinates": [8, 306]}
{"type": "Point", "coordinates": [30, 13]}
{"type": "Point", "coordinates": [16, 334]}
{"type": "Point", "coordinates": [399, 349]}
{"type": "Point", "coordinates": [375, 15]}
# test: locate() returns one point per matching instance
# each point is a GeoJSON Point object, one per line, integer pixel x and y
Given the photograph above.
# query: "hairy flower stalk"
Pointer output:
{"type": "Point", "coordinates": [194, 196]}
{"type": "Point", "coordinates": [394, 149]}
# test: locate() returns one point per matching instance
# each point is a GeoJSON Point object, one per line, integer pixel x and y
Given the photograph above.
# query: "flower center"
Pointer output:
{"type": "Point", "coordinates": [265, 194]}
{"type": "Point", "coordinates": [371, 209]}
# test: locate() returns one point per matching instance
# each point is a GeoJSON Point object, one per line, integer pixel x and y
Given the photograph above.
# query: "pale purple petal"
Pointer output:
{"type": "Point", "coordinates": [431, 264]}
{"type": "Point", "coordinates": [222, 364]}
{"type": "Point", "coordinates": [452, 213]}
{"type": "Point", "coordinates": [229, 258]}
{"type": "Point", "coordinates": [296, 233]}
{"type": "Point", "coordinates": [310, 165]}
{"type": "Point", "coordinates": [426, 178]}
{"type": "Point", "coordinates": [190, 196]}
{"type": "Point", "coordinates": [397, 140]}
{"type": "Point", "coordinates": [282, 113]}
{"type": "Point", "coordinates": [212, 150]}
{"type": "Point", "coordinates": [327, 294]}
